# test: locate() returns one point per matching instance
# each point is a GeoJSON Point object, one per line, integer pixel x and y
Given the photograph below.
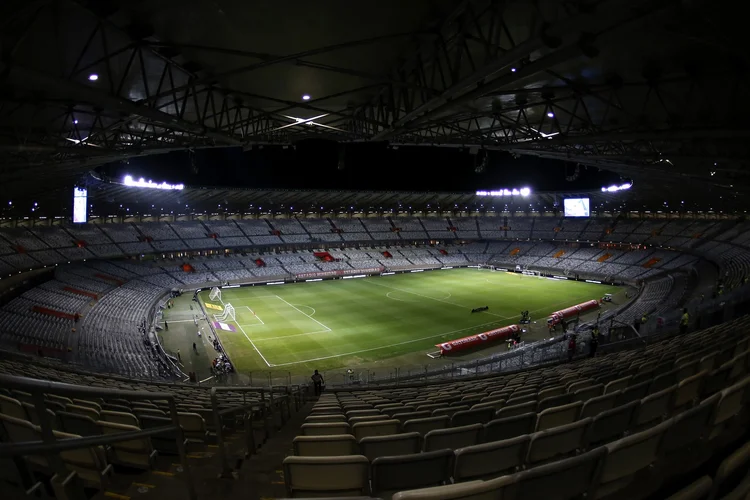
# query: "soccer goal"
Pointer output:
{"type": "Point", "coordinates": [527, 272]}
{"type": "Point", "coordinates": [215, 294]}
{"type": "Point", "coordinates": [228, 313]}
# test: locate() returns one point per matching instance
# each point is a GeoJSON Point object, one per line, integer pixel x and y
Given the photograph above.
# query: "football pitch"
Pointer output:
{"type": "Point", "coordinates": [343, 323]}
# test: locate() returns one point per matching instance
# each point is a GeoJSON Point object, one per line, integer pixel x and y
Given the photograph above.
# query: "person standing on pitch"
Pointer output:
{"type": "Point", "coordinates": [317, 379]}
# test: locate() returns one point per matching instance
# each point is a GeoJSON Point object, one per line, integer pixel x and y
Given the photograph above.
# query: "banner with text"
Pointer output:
{"type": "Point", "coordinates": [476, 340]}
{"type": "Point", "coordinates": [331, 274]}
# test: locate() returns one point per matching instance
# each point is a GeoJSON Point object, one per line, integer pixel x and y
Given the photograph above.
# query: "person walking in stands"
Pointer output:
{"type": "Point", "coordinates": [594, 343]}
{"type": "Point", "coordinates": [684, 321]}
{"type": "Point", "coordinates": [166, 325]}
{"type": "Point", "coordinates": [179, 358]}
{"type": "Point", "coordinates": [571, 347]}
{"type": "Point", "coordinates": [195, 348]}
{"type": "Point", "coordinates": [317, 379]}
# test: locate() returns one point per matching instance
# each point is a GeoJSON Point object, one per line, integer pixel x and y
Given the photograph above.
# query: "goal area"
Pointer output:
{"type": "Point", "coordinates": [215, 294]}
{"type": "Point", "coordinates": [227, 314]}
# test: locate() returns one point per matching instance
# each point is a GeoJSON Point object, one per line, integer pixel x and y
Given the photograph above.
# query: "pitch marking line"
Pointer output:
{"type": "Point", "coordinates": [431, 298]}
{"type": "Point", "coordinates": [389, 345]}
{"type": "Point", "coordinates": [284, 337]}
{"type": "Point", "coordinates": [296, 309]}
{"type": "Point", "coordinates": [256, 316]}
{"type": "Point", "coordinates": [255, 347]}
{"type": "Point", "coordinates": [407, 341]}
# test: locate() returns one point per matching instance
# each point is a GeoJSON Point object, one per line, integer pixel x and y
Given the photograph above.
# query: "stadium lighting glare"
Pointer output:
{"type": "Point", "coordinates": [93, 77]}
{"type": "Point", "coordinates": [306, 97]}
{"type": "Point", "coordinates": [513, 70]}
{"type": "Point", "coordinates": [614, 188]}
{"type": "Point", "coordinates": [75, 122]}
{"type": "Point", "coordinates": [129, 181]}
{"type": "Point", "coordinates": [525, 192]}
{"type": "Point", "coordinates": [551, 114]}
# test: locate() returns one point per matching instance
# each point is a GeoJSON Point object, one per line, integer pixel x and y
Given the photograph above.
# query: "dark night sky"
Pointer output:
{"type": "Point", "coordinates": [371, 167]}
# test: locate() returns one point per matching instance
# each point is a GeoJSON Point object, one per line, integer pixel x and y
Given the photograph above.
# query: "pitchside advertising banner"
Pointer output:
{"type": "Point", "coordinates": [475, 340]}
{"type": "Point", "coordinates": [214, 306]}
{"type": "Point", "coordinates": [330, 274]}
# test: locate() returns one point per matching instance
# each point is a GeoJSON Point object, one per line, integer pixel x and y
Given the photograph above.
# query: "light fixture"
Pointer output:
{"type": "Point", "coordinates": [305, 97]}
{"type": "Point", "coordinates": [513, 70]}
{"type": "Point", "coordinates": [550, 114]}
{"type": "Point", "coordinates": [93, 77]}
{"type": "Point", "coordinates": [75, 122]}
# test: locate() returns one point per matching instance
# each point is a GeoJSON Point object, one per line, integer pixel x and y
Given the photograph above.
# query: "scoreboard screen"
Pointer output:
{"type": "Point", "coordinates": [576, 207]}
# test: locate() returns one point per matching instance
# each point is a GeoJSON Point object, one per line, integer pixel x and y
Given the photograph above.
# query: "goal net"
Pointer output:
{"type": "Point", "coordinates": [228, 313]}
{"type": "Point", "coordinates": [538, 274]}
{"type": "Point", "coordinates": [215, 294]}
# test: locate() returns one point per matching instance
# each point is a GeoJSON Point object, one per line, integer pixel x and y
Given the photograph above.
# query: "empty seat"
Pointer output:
{"type": "Point", "coordinates": [119, 417]}
{"type": "Point", "coordinates": [565, 479]}
{"type": "Point", "coordinates": [403, 417]}
{"type": "Point", "coordinates": [589, 392]}
{"type": "Point", "coordinates": [551, 402]}
{"type": "Point", "coordinates": [369, 418]}
{"type": "Point", "coordinates": [73, 423]}
{"type": "Point", "coordinates": [627, 456]}
{"type": "Point", "coordinates": [468, 417]}
{"type": "Point", "coordinates": [634, 392]}
{"type": "Point", "coordinates": [688, 391]}
{"type": "Point", "coordinates": [663, 381]}
{"type": "Point", "coordinates": [137, 453]}
{"type": "Point", "coordinates": [325, 446]}
{"type": "Point", "coordinates": [654, 408]}
{"type": "Point", "coordinates": [506, 428]}
{"type": "Point", "coordinates": [512, 410]}
{"type": "Point", "coordinates": [595, 406]}
{"type": "Point", "coordinates": [453, 437]}
{"type": "Point", "coordinates": [560, 415]}
{"type": "Point", "coordinates": [419, 470]}
{"type": "Point", "coordinates": [165, 443]}
{"type": "Point", "coordinates": [732, 471]}
{"type": "Point", "coordinates": [326, 476]}
{"type": "Point", "coordinates": [385, 446]}
{"type": "Point", "coordinates": [322, 419]}
{"type": "Point", "coordinates": [472, 490]}
{"type": "Point", "coordinates": [450, 411]}
{"type": "Point", "coordinates": [551, 392]}
{"type": "Point", "coordinates": [425, 425]}
{"type": "Point", "coordinates": [611, 424]}
{"type": "Point", "coordinates": [730, 404]}
{"type": "Point", "coordinates": [376, 428]}
{"type": "Point", "coordinates": [558, 442]}
{"type": "Point", "coordinates": [12, 407]}
{"type": "Point", "coordinates": [617, 385]}
{"type": "Point", "coordinates": [83, 410]}
{"type": "Point", "coordinates": [362, 413]}
{"type": "Point", "coordinates": [689, 427]}
{"type": "Point", "coordinates": [518, 400]}
{"type": "Point", "coordinates": [325, 429]}
{"type": "Point", "coordinates": [488, 460]}
{"type": "Point", "coordinates": [697, 490]}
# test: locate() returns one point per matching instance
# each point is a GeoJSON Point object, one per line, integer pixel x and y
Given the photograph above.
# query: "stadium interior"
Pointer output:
{"type": "Point", "coordinates": [408, 250]}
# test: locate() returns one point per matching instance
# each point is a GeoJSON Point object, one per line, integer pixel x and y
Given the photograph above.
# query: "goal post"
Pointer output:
{"type": "Point", "coordinates": [215, 294]}
{"type": "Point", "coordinates": [227, 314]}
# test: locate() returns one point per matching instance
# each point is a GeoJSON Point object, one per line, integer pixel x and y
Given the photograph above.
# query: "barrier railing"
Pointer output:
{"type": "Point", "coordinates": [51, 446]}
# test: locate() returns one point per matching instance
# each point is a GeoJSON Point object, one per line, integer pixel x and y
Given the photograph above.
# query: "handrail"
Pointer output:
{"type": "Point", "coordinates": [50, 445]}
{"type": "Point", "coordinates": [43, 448]}
{"type": "Point", "coordinates": [226, 470]}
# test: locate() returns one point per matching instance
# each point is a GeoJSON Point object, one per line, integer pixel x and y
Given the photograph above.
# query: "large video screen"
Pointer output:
{"type": "Point", "coordinates": [576, 207]}
{"type": "Point", "coordinates": [80, 204]}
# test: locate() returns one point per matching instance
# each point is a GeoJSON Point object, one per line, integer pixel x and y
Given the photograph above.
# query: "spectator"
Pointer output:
{"type": "Point", "coordinates": [166, 325]}
{"type": "Point", "coordinates": [684, 321]}
{"type": "Point", "coordinates": [179, 358]}
{"type": "Point", "coordinates": [318, 382]}
{"type": "Point", "coordinates": [195, 348]}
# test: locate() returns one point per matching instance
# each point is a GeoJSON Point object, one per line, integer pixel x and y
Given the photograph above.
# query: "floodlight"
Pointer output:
{"type": "Point", "coordinates": [306, 97]}
{"type": "Point", "coordinates": [93, 77]}
{"type": "Point", "coordinates": [525, 191]}
{"type": "Point", "coordinates": [551, 114]}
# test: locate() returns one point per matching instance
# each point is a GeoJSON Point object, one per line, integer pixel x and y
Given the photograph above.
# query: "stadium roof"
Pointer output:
{"type": "Point", "coordinates": [653, 89]}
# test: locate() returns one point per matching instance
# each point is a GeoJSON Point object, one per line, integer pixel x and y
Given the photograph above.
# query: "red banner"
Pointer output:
{"type": "Point", "coordinates": [328, 274]}
{"type": "Point", "coordinates": [557, 316]}
{"type": "Point", "coordinates": [475, 340]}
{"type": "Point", "coordinates": [53, 312]}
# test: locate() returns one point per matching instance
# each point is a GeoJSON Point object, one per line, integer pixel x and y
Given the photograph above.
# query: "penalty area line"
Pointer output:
{"type": "Point", "coordinates": [254, 346]}
{"type": "Point", "coordinates": [256, 316]}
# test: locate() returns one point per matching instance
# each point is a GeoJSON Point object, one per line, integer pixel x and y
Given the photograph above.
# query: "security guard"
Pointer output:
{"type": "Point", "coordinates": [684, 321]}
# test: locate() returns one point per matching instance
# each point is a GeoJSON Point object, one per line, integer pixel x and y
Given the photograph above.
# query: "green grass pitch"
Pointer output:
{"type": "Point", "coordinates": [340, 323]}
